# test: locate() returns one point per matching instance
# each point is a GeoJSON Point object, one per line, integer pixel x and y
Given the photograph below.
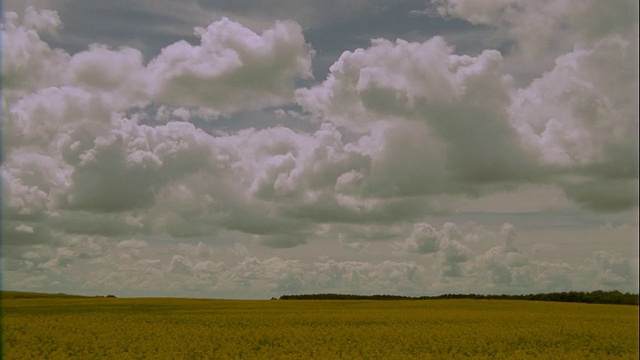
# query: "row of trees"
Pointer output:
{"type": "Point", "coordinates": [593, 297]}
{"type": "Point", "coordinates": [346, 297]}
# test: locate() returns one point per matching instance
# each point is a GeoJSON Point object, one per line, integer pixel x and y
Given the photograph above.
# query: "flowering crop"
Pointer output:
{"type": "Point", "coordinates": [94, 328]}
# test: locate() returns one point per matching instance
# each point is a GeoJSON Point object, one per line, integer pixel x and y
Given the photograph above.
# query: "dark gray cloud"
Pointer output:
{"type": "Point", "coordinates": [604, 195]}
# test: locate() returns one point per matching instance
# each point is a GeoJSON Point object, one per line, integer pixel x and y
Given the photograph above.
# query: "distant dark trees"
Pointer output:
{"type": "Point", "coordinates": [345, 297]}
{"type": "Point", "coordinates": [593, 297]}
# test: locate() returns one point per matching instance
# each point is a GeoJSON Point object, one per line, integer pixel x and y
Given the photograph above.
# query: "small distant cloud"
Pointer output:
{"type": "Point", "coordinates": [133, 244]}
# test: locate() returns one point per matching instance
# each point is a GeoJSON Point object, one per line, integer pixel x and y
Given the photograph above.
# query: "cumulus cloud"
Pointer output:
{"type": "Point", "coordinates": [254, 277]}
{"type": "Point", "coordinates": [28, 61]}
{"type": "Point", "coordinates": [29, 180]}
{"type": "Point", "coordinates": [133, 244]}
{"type": "Point", "coordinates": [443, 114]}
{"type": "Point", "coordinates": [588, 110]}
{"type": "Point", "coordinates": [24, 233]}
{"type": "Point", "coordinates": [41, 20]}
{"type": "Point", "coordinates": [45, 119]}
{"type": "Point", "coordinates": [505, 268]}
{"type": "Point", "coordinates": [510, 234]}
{"type": "Point", "coordinates": [462, 126]}
{"type": "Point", "coordinates": [118, 72]}
{"type": "Point", "coordinates": [610, 270]}
{"type": "Point", "coordinates": [93, 148]}
{"type": "Point", "coordinates": [232, 68]}
{"type": "Point", "coordinates": [534, 25]}
{"type": "Point", "coordinates": [93, 263]}
{"type": "Point", "coordinates": [445, 244]}
{"type": "Point", "coordinates": [418, 102]}
{"type": "Point", "coordinates": [143, 157]}
{"type": "Point", "coordinates": [581, 119]}
{"type": "Point", "coordinates": [106, 146]}
{"type": "Point", "coordinates": [424, 240]}
{"type": "Point", "coordinates": [199, 251]}
{"type": "Point", "coordinates": [393, 79]}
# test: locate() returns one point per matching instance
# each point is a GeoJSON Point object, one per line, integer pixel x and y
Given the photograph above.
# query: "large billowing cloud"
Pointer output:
{"type": "Point", "coordinates": [69, 146]}
{"type": "Point", "coordinates": [27, 61]}
{"type": "Point", "coordinates": [443, 114]}
{"type": "Point", "coordinates": [581, 120]}
{"type": "Point", "coordinates": [232, 68]}
{"type": "Point", "coordinates": [473, 130]}
{"type": "Point", "coordinates": [538, 32]}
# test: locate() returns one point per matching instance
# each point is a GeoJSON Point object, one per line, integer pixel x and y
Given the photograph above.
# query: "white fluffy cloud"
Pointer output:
{"type": "Point", "coordinates": [27, 61]}
{"type": "Point", "coordinates": [450, 253]}
{"type": "Point", "coordinates": [133, 244]}
{"type": "Point", "coordinates": [580, 119]}
{"type": "Point", "coordinates": [443, 114]}
{"type": "Point", "coordinates": [535, 25]}
{"type": "Point", "coordinates": [399, 79]}
{"type": "Point", "coordinates": [460, 125]}
{"type": "Point", "coordinates": [610, 270]}
{"type": "Point", "coordinates": [581, 112]}
{"type": "Point", "coordinates": [30, 181]}
{"type": "Point", "coordinates": [232, 68]}
{"type": "Point", "coordinates": [99, 160]}
{"type": "Point", "coordinates": [119, 74]}
{"type": "Point", "coordinates": [46, 118]}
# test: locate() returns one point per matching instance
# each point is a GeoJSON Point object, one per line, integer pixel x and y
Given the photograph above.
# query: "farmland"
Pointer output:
{"type": "Point", "coordinates": [165, 328]}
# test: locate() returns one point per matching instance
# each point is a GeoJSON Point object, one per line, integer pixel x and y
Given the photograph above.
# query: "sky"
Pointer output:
{"type": "Point", "coordinates": [251, 149]}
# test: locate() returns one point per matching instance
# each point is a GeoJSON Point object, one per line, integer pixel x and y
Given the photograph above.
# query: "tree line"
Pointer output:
{"type": "Point", "coordinates": [593, 297]}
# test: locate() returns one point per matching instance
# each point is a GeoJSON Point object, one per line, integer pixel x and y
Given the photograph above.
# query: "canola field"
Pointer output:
{"type": "Point", "coordinates": [113, 328]}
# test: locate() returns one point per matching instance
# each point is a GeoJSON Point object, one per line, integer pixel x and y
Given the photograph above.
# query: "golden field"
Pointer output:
{"type": "Point", "coordinates": [166, 328]}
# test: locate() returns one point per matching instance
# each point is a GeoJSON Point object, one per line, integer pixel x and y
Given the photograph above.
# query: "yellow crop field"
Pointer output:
{"type": "Point", "coordinates": [108, 328]}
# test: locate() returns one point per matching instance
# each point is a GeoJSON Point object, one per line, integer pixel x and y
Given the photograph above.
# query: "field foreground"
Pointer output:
{"type": "Point", "coordinates": [94, 328]}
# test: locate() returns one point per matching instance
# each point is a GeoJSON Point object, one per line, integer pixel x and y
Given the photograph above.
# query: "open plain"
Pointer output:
{"type": "Point", "coordinates": [167, 328]}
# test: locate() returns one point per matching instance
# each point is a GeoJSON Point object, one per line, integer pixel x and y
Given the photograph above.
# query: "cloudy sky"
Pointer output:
{"type": "Point", "coordinates": [250, 149]}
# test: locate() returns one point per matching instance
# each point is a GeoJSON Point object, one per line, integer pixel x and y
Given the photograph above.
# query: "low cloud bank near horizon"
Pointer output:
{"type": "Point", "coordinates": [444, 263]}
